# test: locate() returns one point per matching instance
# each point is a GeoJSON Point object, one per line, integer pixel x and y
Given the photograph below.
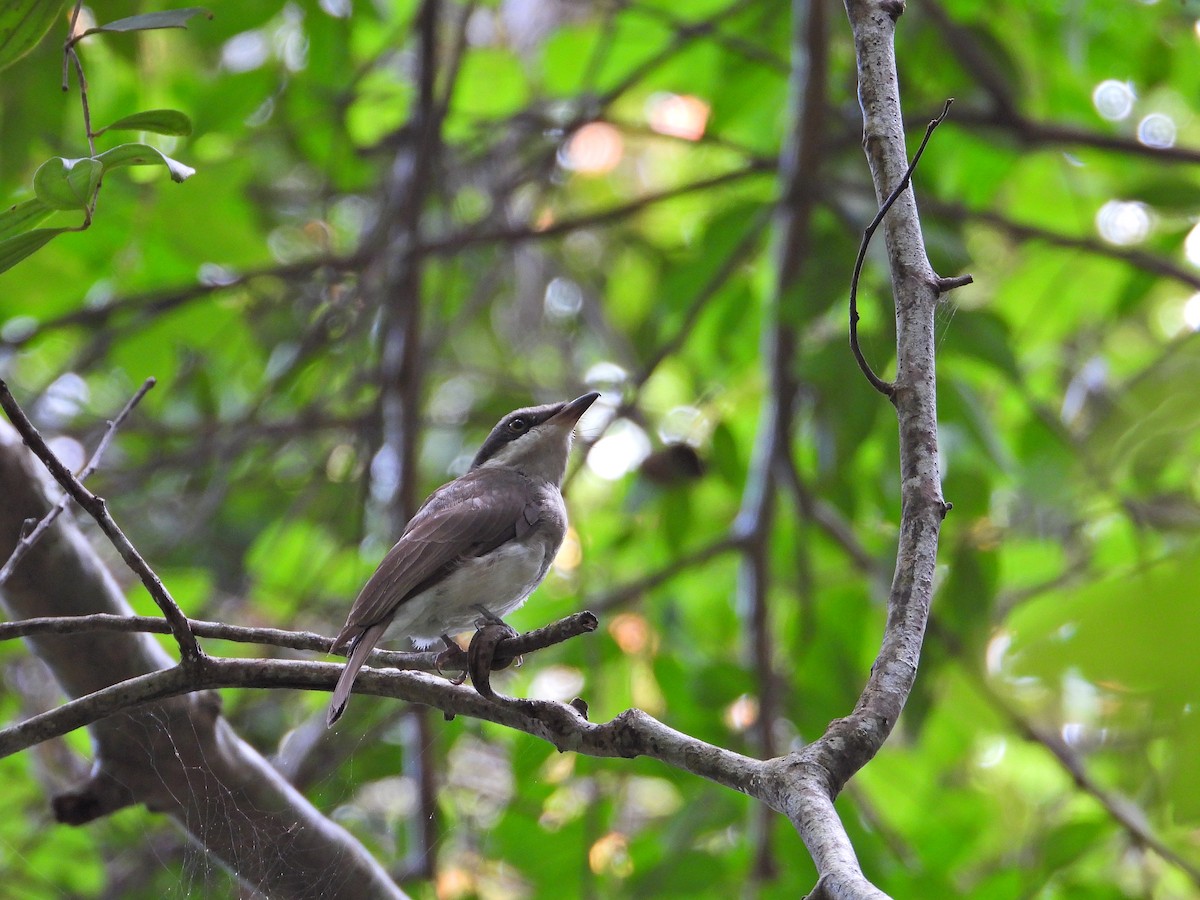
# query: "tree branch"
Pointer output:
{"type": "Point", "coordinates": [1019, 231]}
{"type": "Point", "coordinates": [177, 756]}
{"type": "Point", "coordinates": [804, 784]}
{"type": "Point", "coordinates": [531, 641]}
{"type": "Point", "coordinates": [96, 507]}
{"type": "Point", "coordinates": [154, 303]}
{"type": "Point", "coordinates": [28, 540]}
{"type": "Point", "coordinates": [453, 243]}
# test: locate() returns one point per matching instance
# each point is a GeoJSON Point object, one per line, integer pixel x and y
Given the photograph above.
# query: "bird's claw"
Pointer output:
{"type": "Point", "coordinates": [481, 656]}
{"type": "Point", "coordinates": [487, 617]}
{"type": "Point", "coordinates": [453, 657]}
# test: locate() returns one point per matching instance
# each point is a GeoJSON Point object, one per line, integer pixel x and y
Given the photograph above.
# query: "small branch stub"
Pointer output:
{"type": "Point", "coordinates": [944, 285]}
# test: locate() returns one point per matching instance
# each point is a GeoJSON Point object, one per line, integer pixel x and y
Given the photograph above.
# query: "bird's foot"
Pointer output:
{"type": "Point", "coordinates": [481, 655]}
{"type": "Point", "coordinates": [487, 617]}
{"type": "Point", "coordinates": [453, 657]}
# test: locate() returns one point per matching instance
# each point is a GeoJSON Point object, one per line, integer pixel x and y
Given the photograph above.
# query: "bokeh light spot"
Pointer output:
{"type": "Point", "coordinates": [631, 633]}
{"type": "Point", "coordinates": [677, 115]}
{"type": "Point", "coordinates": [1113, 99]}
{"type": "Point", "coordinates": [1191, 312]}
{"type": "Point", "coordinates": [594, 149]}
{"type": "Point", "coordinates": [1123, 222]}
{"type": "Point", "coordinates": [620, 451]}
{"type": "Point", "coordinates": [1157, 130]}
{"type": "Point", "coordinates": [1191, 245]}
{"type": "Point", "coordinates": [741, 713]}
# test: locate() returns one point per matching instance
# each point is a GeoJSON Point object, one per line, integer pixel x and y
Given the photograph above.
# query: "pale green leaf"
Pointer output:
{"type": "Point", "coordinates": [144, 155]}
{"type": "Point", "coordinates": [159, 121]}
{"type": "Point", "coordinates": [167, 18]}
{"type": "Point", "coordinates": [67, 183]}
{"type": "Point", "coordinates": [22, 217]}
{"type": "Point", "coordinates": [15, 249]}
{"type": "Point", "coordinates": [23, 24]}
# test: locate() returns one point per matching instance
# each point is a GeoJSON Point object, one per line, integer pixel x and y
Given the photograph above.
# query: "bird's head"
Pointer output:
{"type": "Point", "coordinates": [536, 440]}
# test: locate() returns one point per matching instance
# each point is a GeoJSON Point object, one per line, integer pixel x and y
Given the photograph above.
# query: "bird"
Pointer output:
{"type": "Point", "coordinates": [478, 546]}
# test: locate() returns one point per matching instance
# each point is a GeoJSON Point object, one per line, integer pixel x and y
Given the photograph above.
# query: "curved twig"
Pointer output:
{"type": "Point", "coordinates": [886, 388]}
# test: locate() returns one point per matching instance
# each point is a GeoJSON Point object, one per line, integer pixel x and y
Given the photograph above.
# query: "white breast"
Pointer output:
{"type": "Point", "coordinates": [499, 581]}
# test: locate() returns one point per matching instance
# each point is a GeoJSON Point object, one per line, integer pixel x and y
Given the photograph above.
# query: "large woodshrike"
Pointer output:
{"type": "Point", "coordinates": [482, 542]}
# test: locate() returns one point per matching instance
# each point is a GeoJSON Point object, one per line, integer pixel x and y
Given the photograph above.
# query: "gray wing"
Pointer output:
{"type": "Point", "coordinates": [460, 520]}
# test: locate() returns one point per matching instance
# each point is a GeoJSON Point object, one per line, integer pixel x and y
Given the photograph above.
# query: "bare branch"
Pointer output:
{"type": "Point", "coordinates": [1035, 133]}
{"type": "Point", "coordinates": [453, 243]}
{"type": "Point", "coordinates": [538, 639]}
{"type": "Point", "coordinates": [27, 542]}
{"type": "Point", "coordinates": [150, 304]}
{"type": "Point", "coordinates": [179, 756]}
{"type": "Point", "coordinates": [632, 733]}
{"type": "Point", "coordinates": [805, 783]}
{"type": "Point", "coordinates": [623, 594]}
{"type": "Point", "coordinates": [1019, 231]}
{"type": "Point", "coordinates": [98, 509]}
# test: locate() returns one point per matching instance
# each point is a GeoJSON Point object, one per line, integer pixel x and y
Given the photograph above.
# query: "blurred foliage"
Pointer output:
{"type": "Point", "coordinates": [1069, 438]}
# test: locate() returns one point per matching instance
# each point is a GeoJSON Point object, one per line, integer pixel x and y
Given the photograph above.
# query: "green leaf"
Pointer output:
{"type": "Point", "coordinates": [23, 23]}
{"type": "Point", "coordinates": [67, 183]}
{"type": "Point", "coordinates": [725, 455]}
{"type": "Point", "coordinates": [492, 83]}
{"type": "Point", "coordinates": [987, 337]}
{"type": "Point", "coordinates": [160, 121]}
{"type": "Point", "coordinates": [22, 217]}
{"type": "Point", "coordinates": [15, 249]}
{"type": "Point", "coordinates": [144, 155]}
{"type": "Point", "coordinates": [168, 18]}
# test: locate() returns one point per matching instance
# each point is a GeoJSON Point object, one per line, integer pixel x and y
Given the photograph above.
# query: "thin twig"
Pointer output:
{"type": "Point", "coordinates": [68, 44]}
{"type": "Point", "coordinates": [556, 632]}
{"type": "Point", "coordinates": [26, 543]}
{"type": "Point", "coordinates": [146, 306]}
{"type": "Point", "coordinates": [189, 650]}
{"type": "Point", "coordinates": [1030, 132]}
{"type": "Point", "coordinates": [884, 387]}
{"type": "Point", "coordinates": [83, 99]}
{"type": "Point", "coordinates": [70, 56]}
{"type": "Point", "coordinates": [619, 596]}
{"type": "Point", "coordinates": [453, 243]}
{"type": "Point", "coordinates": [1020, 231]}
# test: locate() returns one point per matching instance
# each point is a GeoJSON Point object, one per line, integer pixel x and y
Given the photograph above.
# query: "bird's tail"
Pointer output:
{"type": "Point", "coordinates": [360, 649]}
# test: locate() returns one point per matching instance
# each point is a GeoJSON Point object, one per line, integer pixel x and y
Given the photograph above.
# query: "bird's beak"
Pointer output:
{"type": "Point", "coordinates": [570, 413]}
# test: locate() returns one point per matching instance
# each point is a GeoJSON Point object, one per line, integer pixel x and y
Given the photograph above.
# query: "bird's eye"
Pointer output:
{"type": "Point", "coordinates": [518, 425]}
